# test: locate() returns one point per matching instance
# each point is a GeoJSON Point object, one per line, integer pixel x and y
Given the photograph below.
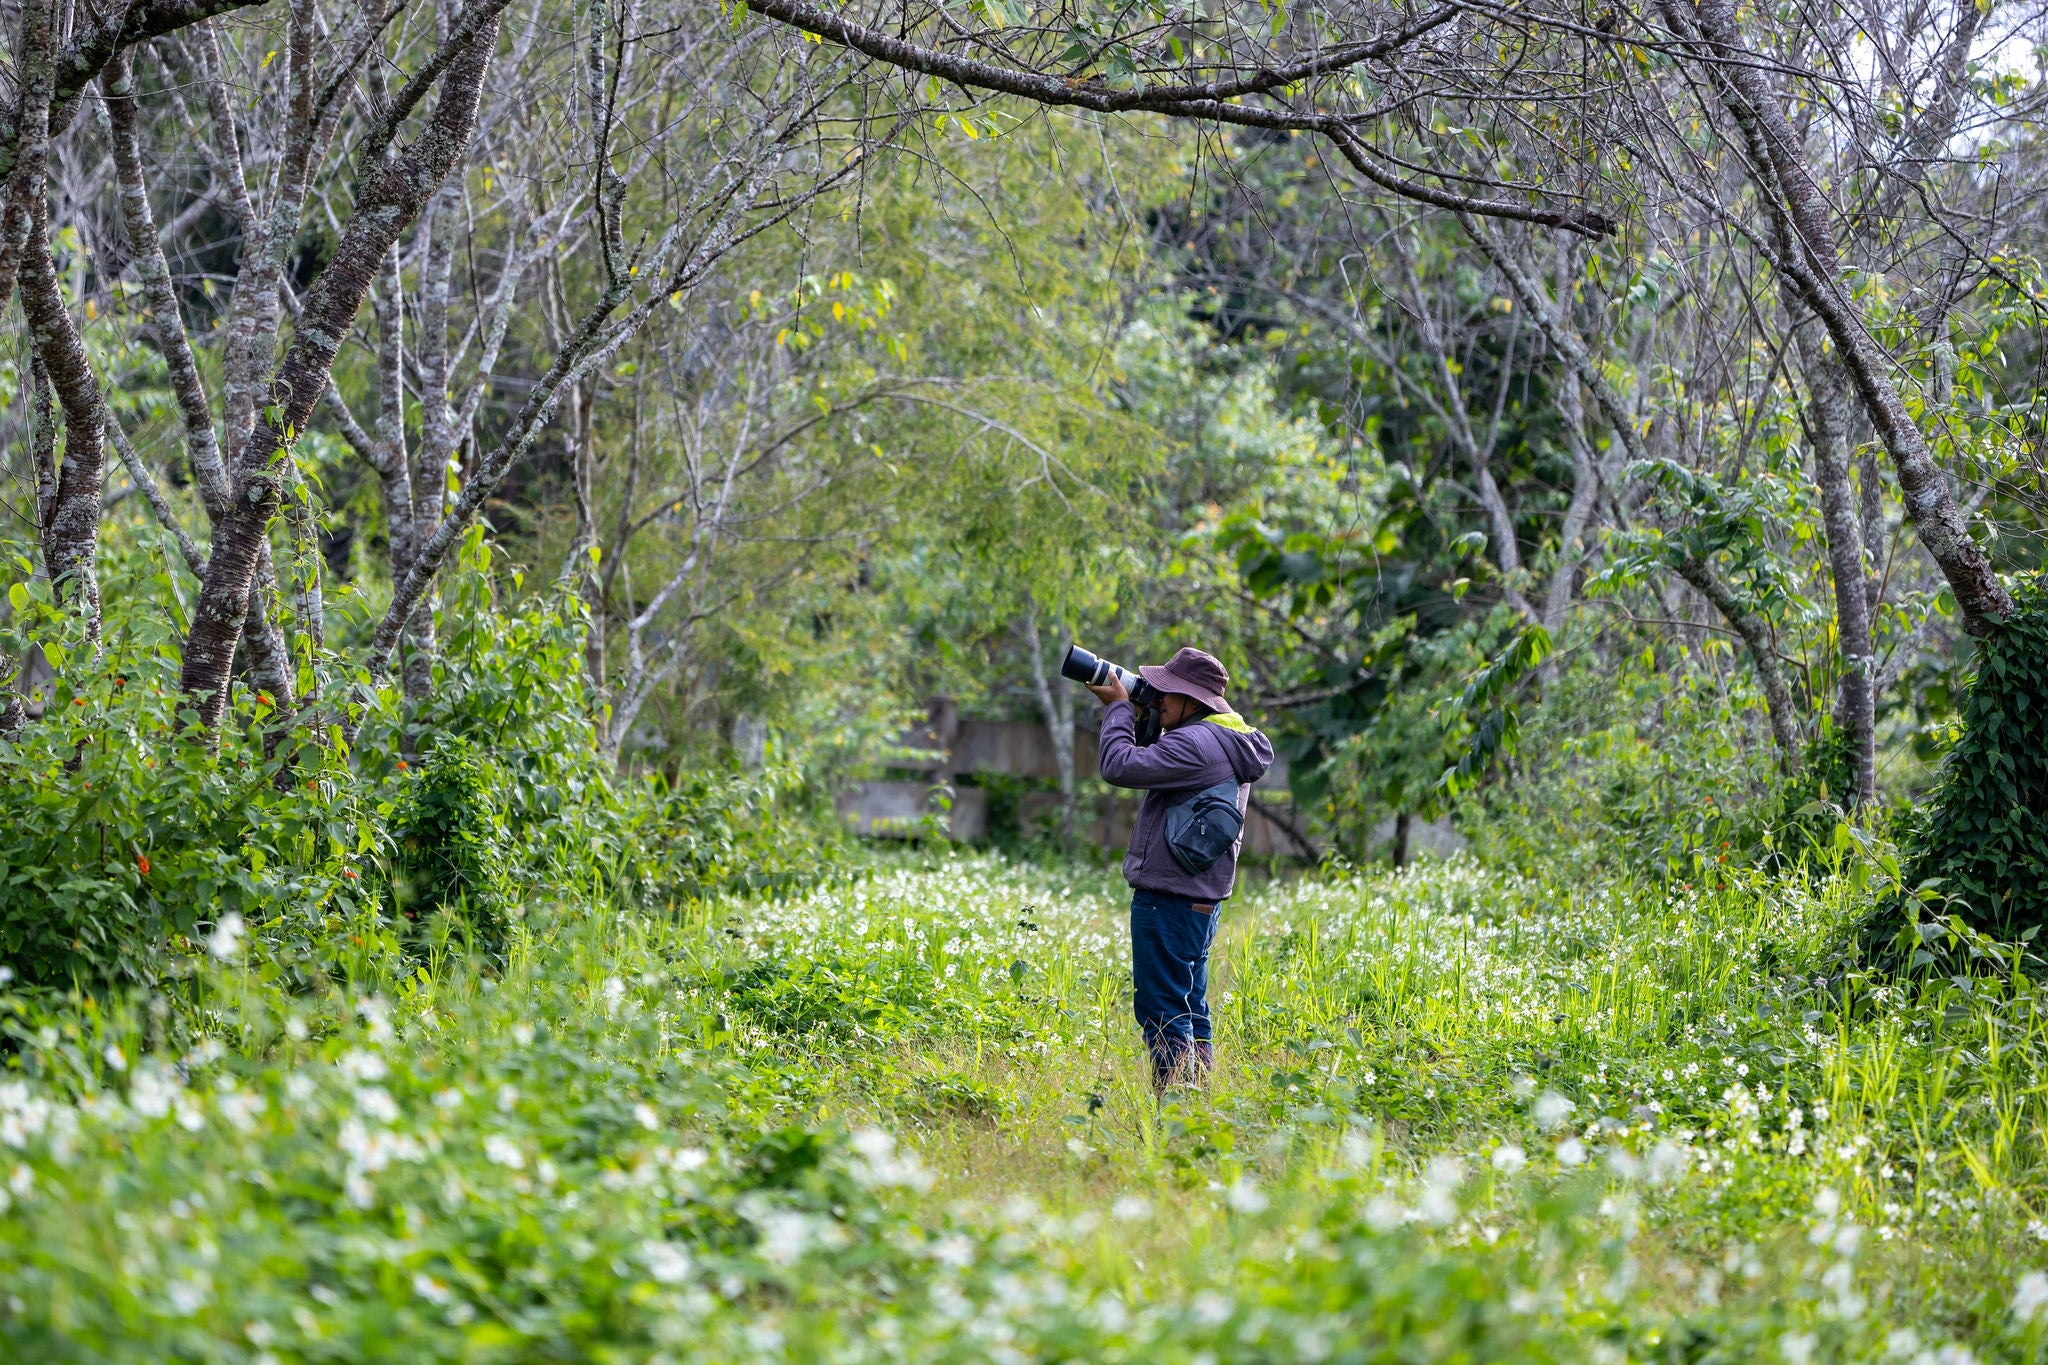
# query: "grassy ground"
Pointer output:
{"type": "Point", "coordinates": [1456, 1115]}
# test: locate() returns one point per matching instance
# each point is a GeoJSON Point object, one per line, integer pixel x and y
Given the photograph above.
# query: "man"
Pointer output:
{"type": "Point", "coordinates": [1202, 744]}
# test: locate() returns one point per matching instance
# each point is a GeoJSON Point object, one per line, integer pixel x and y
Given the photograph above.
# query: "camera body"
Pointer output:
{"type": "Point", "coordinates": [1093, 671]}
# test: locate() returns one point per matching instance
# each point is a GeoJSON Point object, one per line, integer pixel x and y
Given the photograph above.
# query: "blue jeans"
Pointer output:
{"type": "Point", "coordinates": [1170, 977]}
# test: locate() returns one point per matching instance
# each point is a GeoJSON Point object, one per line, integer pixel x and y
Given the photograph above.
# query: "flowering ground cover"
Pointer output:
{"type": "Point", "coordinates": [1458, 1115]}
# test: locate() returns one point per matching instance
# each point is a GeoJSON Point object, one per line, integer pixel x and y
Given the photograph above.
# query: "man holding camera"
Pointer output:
{"type": "Point", "coordinates": [1204, 750]}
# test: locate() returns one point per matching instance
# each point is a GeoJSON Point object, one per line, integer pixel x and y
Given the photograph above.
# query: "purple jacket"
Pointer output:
{"type": "Point", "coordinates": [1172, 768]}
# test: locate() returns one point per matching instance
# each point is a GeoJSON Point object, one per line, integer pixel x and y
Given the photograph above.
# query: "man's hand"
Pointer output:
{"type": "Point", "coordinates": [1113, 690]}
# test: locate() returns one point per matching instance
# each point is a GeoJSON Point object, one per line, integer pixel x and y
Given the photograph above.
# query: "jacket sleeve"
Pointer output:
{"type": "Point", "coordinates": [1175, 759]}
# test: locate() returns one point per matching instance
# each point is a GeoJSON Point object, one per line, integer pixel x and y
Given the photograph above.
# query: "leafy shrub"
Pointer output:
{"type": "Point", "coordinates": [1984, 831]}
{"type": "Point", "coordinates": [120, 836]}
{"type": "Point", "coordinates": [448, 837]}
{"type": "Point", "coordinates": [677, 841]}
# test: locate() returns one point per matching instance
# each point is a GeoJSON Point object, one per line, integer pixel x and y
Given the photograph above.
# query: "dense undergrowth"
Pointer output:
{"type": "Point", "coordinates": [466, 1050]}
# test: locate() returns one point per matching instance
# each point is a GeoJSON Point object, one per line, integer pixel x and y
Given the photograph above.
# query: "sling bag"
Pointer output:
{"type": "Point", "coordinates": [1202, 828]}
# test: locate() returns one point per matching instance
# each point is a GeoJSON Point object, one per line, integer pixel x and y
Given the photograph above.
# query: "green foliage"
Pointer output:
{"type": "Point", "coordinates": [449, 845]}
{"type": "Point", "coordinates": [126, 842]}
{"type": "Point", "coordinates": [1982, 837]}
{"type": "Point", "coordinates": [1498, 729]}
{"type": "Point", "coordinates": [509, 681]}
{"type": "Point", "coordinates": [1653, 765]}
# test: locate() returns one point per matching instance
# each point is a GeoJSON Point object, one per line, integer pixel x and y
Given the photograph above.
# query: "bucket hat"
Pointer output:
{"type": "Point", "coordinates": [1191, 673]}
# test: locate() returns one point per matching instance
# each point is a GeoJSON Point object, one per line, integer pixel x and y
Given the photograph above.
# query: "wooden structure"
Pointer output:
{"type": "Point", "coordinates": [948, 747]}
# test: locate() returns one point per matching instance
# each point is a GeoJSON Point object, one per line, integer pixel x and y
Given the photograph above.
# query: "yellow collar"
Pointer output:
{"type": "Point", "coordinates": [1230, 720]}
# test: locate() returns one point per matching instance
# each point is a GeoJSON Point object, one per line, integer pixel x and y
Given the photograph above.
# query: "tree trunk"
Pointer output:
{"type": "Point", "coordinates": [394, 194]}
{"type": "Point", "coordinates": [166, 326]}
{"type": "Point", "coordinates": [1755, 633]}
{"type": "Point", "coordinates": [1059, 725]}
{"type": "Point", "coordinates": [437, 420]}
{"type": "Point", "coordinates": [1403, 823]}
{"type": "Point", "coordinates": [25, 161]}
{"type": "Point", "coordinates": [1557, 599]}
{"type": "Point", "coordinates": [72, 529]}
{"type": "Point", "coordinates": [1827, 420]}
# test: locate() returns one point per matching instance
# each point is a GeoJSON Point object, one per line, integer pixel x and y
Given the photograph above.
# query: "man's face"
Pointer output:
{"type": "Point", "coordinates": [1174, 708]}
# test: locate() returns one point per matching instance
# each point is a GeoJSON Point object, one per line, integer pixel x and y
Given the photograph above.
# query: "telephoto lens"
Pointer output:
{"type": "Point", "coordinates": [1086, 668]}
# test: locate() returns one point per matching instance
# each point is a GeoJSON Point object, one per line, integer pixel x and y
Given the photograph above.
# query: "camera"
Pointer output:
{"type": "Point", "coordinates": [1094, 671]}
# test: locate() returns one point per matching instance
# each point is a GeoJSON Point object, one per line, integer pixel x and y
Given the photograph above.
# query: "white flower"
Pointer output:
{"type": "Point", "coordinates": [1666, 1161]}
{"type": "Point", "coordinates": [785, 1235]}
{"type": "Point", "coordinates": [522, 1034]}
{"type": "Point", "coordinates": [152, 1091]}
{"type": "Point", "coordinates": [1571, 1152]}
{"type": "Point", "coordinates": [358, 1065]}
{"type": "Point", "coordinates": [881, 1164]}
{"type": "Point", "coordinates": [508, 1099]}
{"type": "Point", "coordinates": [1131, 1208]}
{"type": "Point", "coordinates": [614, 992]}
{"type": "Point", "coordinates": [2030, 1296]}
{"type": "Point", "coordinates": [1796, 1347]}
{"type": "Point", "coordinates": [953, 1250]}
{"type": "Point", "coordinates": [1439, 1202]}
{"type": "Point", "coordinates": [1551, 1109]}
{"type": "Point", "coordinates": [503, 1151]}
{"type": "Point", "coordinates": [1210, 1308]}
{"type": "Point", "coordinates": [1384, 1215]}
{"type": "Point", "coordinates": [1244, 1196]}
{"type": "Point", "coordinates": [431, 1289]}
{"type": "Point", "coordinates": [22, 1115]}
{"type": "Point", "coordinates": [238, 1107]}
{"type": "Point", "coordinates": [370, 1150]}
{"type": "Point", "coordinates": [666, 1262]}
{"type": "Point", "coordinates": [189, 1295]}
{"type": "Point", "coordinates": [645, 1116]}
{"type": "Point", "coordinates": [115, 1058]}
{"type": "Point", "coordinates": [1509, 1158]}
{"type": "Point", "coordinates": [226, 939]}
{"type": "Point", "coordinates": [375, 1013]}
{"type": "Point", "coordinates": [375, 1102]}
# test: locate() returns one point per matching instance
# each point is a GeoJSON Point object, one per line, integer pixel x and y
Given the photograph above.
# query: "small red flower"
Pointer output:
{"type": "Point", "coordinates": [78, 701]}
{"type": "Point", "coordinates": [265, 698]}
{"type": "Point", "coordinates": [349, 873]}
{"type": "Point", "coordinates": [401, 765]}
{"type": "Point", "coordinates": [142, 863]}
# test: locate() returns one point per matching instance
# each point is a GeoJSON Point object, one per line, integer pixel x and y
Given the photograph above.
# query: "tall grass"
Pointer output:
{"type": "Point", "coordinates": [905, 1116]}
